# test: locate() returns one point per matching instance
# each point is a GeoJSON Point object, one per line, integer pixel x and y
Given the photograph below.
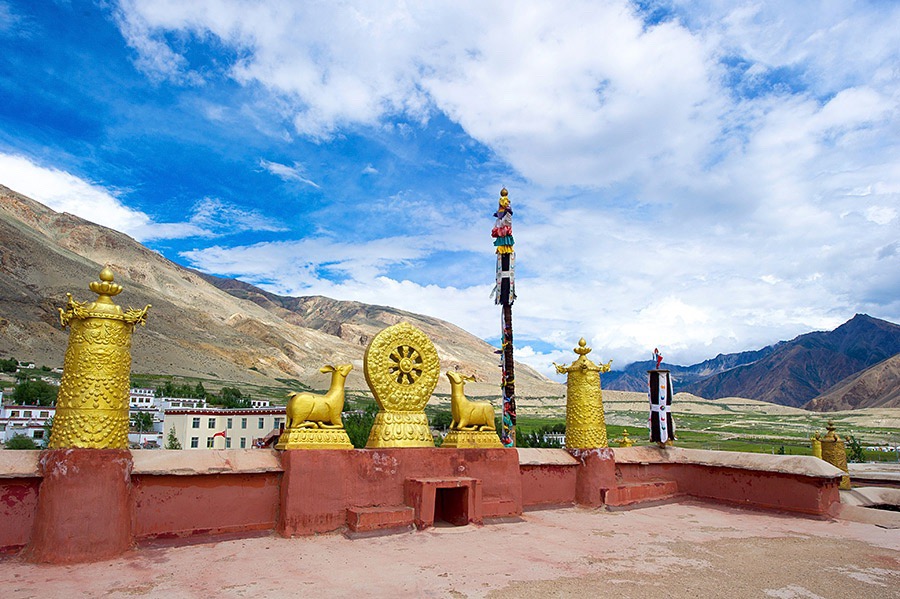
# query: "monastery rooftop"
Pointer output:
{"type": "Point", "coordinates": [687, 549]}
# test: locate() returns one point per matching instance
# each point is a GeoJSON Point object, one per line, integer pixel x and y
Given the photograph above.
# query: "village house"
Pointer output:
{"type": "Point", "coordinates": [221, 428]}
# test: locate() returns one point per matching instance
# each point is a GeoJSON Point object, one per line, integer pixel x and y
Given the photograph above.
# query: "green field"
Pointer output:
{"type": "Point", "coordinates": [726, 425]}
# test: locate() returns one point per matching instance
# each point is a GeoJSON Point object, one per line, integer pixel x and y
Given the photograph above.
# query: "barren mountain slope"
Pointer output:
{"type": "Point", "coordinates": [876, 386]}
{"type": "Point", "coordinates": [194, 328]}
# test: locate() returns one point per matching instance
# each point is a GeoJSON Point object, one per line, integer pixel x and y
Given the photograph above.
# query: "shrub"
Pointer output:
{"type": "Point", "coordinates": [21, 442]}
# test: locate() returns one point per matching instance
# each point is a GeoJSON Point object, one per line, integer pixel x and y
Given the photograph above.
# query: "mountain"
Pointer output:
{"type": "Point", "coordinates": [789, 373]}
{"type": "Point", "coordinates": [799, 370]}
{"type": "Point", "coordinates": [876, 386]}
{"type": "Point", "coordinates": [236, 333]}
{"type": "Point", "coordinates": [634, 376]}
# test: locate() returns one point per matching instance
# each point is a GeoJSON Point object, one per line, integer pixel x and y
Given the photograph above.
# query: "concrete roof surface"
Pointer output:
{"type": "Point", "coordinates": [678, 550]}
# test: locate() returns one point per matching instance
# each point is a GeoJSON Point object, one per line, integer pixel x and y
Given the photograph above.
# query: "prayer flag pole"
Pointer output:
{"type": "Point", "coordinates": [504, 294]}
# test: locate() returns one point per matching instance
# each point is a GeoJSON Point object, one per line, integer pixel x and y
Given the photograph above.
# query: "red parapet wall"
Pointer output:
{"type": "Point", "coordinates": [548, 485]}
{"type": "Point", "coordinates": [18, 503]}
{"type": "Point", "coordinates": [67, 506]}
{"type": "Point", "coordinates": [378, 477]}
{"type": "Point", "coordinates": [169, 506]}
{"type": "Point", "coordinates": [800, 484]}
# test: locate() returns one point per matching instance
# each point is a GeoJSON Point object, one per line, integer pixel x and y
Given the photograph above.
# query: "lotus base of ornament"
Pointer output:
{"type": "Point", "coordinates": [472, 440]}
{"type": "Point", "coordinates": [314, 438]}
{"type": "Point", "coordinates": [400, 429]}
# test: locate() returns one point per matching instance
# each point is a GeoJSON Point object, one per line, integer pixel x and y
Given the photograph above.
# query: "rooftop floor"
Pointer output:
{"type": "Point", "coordinates": [679, 550]}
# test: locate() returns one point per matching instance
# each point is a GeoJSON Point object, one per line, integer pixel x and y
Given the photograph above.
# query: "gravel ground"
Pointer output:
{"type": "Point", "coordinates": [679, 550]}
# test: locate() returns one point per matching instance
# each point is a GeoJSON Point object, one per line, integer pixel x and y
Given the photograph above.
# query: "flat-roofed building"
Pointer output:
{"type": "Point", "coordinates": [27, 421]}
{"type": "Point", "coordinates": [221, 428]}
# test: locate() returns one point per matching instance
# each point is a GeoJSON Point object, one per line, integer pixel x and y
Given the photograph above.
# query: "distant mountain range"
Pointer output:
{"type": "Point", "coordinates": [821, 371]}
{"type": "Point", "coordinates": [215, 328]}
{"type": "Point", "coordinates": [202, 326]}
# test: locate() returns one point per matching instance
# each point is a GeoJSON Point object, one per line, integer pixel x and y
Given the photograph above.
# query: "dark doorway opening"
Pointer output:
{"type": "Point", "coordinates": [451, 505]}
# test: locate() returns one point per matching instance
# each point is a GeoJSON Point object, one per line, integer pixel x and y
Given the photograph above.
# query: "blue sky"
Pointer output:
{"type": "Point", "coordinates": [701, 177]}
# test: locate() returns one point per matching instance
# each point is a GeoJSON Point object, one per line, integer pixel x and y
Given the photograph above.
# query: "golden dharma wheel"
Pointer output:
{"type": "Point", "coordinates": [402, 368]}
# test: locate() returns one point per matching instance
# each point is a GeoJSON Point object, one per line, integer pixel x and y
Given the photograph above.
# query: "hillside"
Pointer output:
{"type": "Point", "coordinates": [791, 373]}
{"type": "Point", "coordinates": [799, 370]}
{"type": "Point", "coordinates": [634, 376]}
{"type": "Point", "coordinates": [195, 328]}
{"type": "Point", "coordinates": [876, 386]}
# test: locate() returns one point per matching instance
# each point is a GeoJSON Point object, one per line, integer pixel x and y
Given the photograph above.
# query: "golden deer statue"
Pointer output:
{"type": "Point", "coordinates": [310, 410]}
{"type": "Point", "coordinates": [468, 415]}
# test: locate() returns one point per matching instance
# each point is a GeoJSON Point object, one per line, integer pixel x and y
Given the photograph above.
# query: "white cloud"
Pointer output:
{"type": "Point", "coordinates": [669, 198]}
{"type": "Point", "coordinates": [288, 173]}
{"type": "Point", "coordinates": [217, 217]}
{"type": "Point", "coordinates": [65, 192]}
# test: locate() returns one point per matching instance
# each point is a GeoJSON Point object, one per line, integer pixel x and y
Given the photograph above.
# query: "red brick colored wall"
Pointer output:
{"type": "Point", "coordinates": [18, 504]}
{"type": "Point", "coordinates": [548, 485]}
{"type": "Point", "coordinates": [376, 477]}
{"type": "Point", "coordinates": [754, 488]}
{"type": "Point", "coordinates": [167, 506]}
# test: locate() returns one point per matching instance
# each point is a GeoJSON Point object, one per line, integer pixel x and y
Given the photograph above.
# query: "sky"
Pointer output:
{"type": "Point", "coordinates": [699, 176]}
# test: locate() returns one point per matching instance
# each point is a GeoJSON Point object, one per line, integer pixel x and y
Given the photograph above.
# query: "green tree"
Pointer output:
{"type": "Point", "coordinates": [172, 441]}
{"type": "Point", "coordinates": [199, 390]}
{"type": "Point", "coordinates": [855, 451]}
{"type": "Point", "coordinates": [8, 365]}
{"type": "Point", "coordinates": [35, 393]}
{"type": "Point", "coordinates": [358, 425]}
{"type": "Point", "coordinates": [48, 430]}
{"type": "Point", "coordinates": [442, 420]}
{"type": "Point", "coordinates": [142, 421]}
{"type": "Point", "coordinates": [231, 397]}
{"type": "Point", "coordinates": [21, 442]}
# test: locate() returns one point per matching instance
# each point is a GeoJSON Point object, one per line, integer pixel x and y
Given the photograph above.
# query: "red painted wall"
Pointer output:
{"type": "Point", "coordinates": [548, 485]}
{"type": "Point", "coordinates": [60, 513]}
{"type": "Point", "coordinates": [376, 477]}
{"type": "Point", "coordinates": [18, 504]}
{"type": "Point", "coordinates": [755, 488]}
{"type": "Point", "coordinates": [167, 506]}
{"type": "Point", "coordinates": [83, 507]}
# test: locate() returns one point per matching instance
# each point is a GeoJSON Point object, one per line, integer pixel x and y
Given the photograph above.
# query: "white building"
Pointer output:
{"type": "Point", "coordinates": [221, 428]}
{"type": "Point", "coordinates": [144, 399]}
{"type": "Point", "coordinates": [27, 421]}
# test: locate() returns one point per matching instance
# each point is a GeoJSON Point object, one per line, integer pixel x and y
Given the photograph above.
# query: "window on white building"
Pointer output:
{"type": "Point", "coordinates": [209, 442]}
{"type": "Point", "coordinates": [229, 423]}
{"type": "Point", "coordinates": [195, 442]}
{"type": "Point", "coordinates": [243, 423]}
{"type": "Point", "coordinates": [227, 442]}
{"type": "Point", "coordinates": [212, 423]}
{"type": "Point", "coordinates": [243, 442]}
{"type": "Point", "coordinates": [262, 422]}
{"type": "Point", "coordinates": [195, 423]}
{"type": "Point", "coordinates": [45, 414]}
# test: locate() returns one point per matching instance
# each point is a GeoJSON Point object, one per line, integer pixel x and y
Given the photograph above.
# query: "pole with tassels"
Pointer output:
{"type": "Point", "coordinates": [504, 294]}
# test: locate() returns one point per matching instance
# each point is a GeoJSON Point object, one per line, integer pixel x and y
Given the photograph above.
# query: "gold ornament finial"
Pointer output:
{"type": "Point", "coordinates": [585, 423]}
{"type": "Point", "coordinates": [105, 288]}
{"type": "Point", "coordinates": [92, 404]}
{"type": "Point", "coordinates": [503, 193]}
{"type": "Point", "coordinates": [582, 349]}
{"type": "Point", "coordinates": [835, 453]}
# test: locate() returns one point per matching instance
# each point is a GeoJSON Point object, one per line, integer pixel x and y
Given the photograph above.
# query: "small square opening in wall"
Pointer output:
{"type": "Point", "coordinates": [451, 505]}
